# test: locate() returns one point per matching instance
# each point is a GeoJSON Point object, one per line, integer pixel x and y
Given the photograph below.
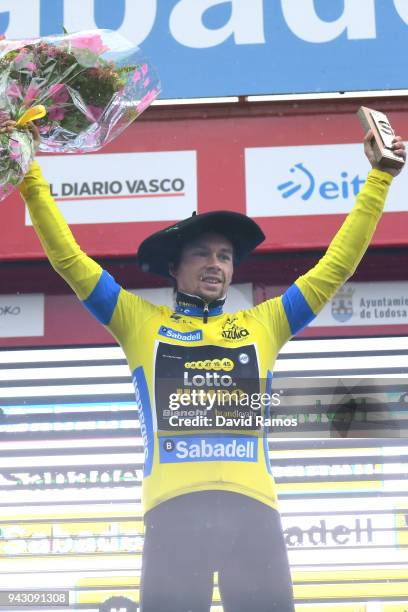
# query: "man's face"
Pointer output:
{"type": "Point", "coordinates": [206, 267]}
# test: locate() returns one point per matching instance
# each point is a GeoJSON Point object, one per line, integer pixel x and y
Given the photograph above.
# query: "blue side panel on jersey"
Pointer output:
{"type": "Point", "coordinates": [297, 309]}
{"type": "Point", "coordinates": [103, 299]}
{"type": "Point", "coordinates": [267, 415]}
{"type": "Point", "coordinates": [145, 417]}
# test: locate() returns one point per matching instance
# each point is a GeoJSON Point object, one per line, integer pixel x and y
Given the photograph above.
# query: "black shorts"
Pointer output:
{"type": "Point", "coordinates": [190, 537]}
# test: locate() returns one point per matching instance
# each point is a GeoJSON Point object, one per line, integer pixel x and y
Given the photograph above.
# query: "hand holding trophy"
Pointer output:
{"type": "Point", "coordinates": [383, 148]}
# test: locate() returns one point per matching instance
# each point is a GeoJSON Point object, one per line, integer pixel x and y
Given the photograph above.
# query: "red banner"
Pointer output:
{"type": "Point", "coordinates": [296, 175]}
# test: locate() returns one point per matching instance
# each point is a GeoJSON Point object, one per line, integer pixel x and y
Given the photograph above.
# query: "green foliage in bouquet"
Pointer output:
{"type": "Point", "coordinates": [15, 157]}
{"type": "Point", "coordinates": [69, 78]}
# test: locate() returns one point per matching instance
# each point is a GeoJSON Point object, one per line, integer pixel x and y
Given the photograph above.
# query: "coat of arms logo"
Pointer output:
{"type": "Point", "coordinates": [342, 304]}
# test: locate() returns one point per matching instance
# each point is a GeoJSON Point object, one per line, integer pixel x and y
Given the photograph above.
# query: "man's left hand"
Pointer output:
{"type": "Point", "coordinates": [398, 148]}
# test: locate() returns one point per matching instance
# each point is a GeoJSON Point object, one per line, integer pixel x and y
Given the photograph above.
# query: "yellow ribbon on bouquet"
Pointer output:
{"type": "Point", "coordinates": [31, 114]}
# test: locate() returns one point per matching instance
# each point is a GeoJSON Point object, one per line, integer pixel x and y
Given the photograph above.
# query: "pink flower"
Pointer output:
{"type": "Point", "coordinates": [137, 76]}
{"type": "Point", "coordinates": [15, 149]}
{"type": "Point", "coordinates": [4, 116]}
{"type": "Point", "coordinates": [14, 155]}
{"type": "Point", "coordinates": [55, 89]}
{"type": "Point", "coordinates": [92, 42]}
{"type": "Point", "coordinates": [31, 67]}
{"type": "Point", "coordinates": [21, 57]}
{"type": "Point", "coordinates": [31, 93]}
{"type": "Point", "coordinates": [23, 61]}
{"type": "Point", "coordinates": [94, 112]}
{"type": "Point", "coordinates": [144, 69]}
{"type": "Point", "coordinates": [56, 114]}
{"type": "Point", "coordinates": [58, 93]}
{"type": "Point", "coordinates": [147, 100]}
{"type": "Point", "coordinates": [14, 91]}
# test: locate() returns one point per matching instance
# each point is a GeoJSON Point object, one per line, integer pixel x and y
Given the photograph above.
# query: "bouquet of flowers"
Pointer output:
{"type": "Point", "coordinates": [81, 90]}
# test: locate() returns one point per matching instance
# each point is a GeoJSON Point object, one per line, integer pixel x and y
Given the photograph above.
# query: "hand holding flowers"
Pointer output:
{"type": "Point", "coordinates": [92, 86]}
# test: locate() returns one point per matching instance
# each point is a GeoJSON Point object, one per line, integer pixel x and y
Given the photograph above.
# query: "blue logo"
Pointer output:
{"type": "Point", "coordinates": [185, 449]}
{"type": "Point", "coordinates": [193, 336]}
{"type": "Point", "coordinates": [305, 182]}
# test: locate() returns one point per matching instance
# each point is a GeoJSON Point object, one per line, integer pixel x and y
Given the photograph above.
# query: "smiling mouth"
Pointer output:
{"type": "Point", "coordinates": [210, 280]}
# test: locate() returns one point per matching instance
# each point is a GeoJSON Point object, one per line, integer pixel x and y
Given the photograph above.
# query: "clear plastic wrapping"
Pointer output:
{"type": "Point", "coordinates": [91, 85]}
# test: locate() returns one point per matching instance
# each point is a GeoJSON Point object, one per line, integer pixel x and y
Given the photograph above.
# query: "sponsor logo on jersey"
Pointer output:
{"type": "Point", "coordinates": [184, 449]}
{"type": "Point", "coordinates": [225, 364]}
{"type": "Point", "coordinates": [210, 379]}
{"type": "Point", "coordinates": [145, 417]}
{"type": "Point", "coordinates": [193, 336]}
{"type": "Point", "coordinates": [232, 331]}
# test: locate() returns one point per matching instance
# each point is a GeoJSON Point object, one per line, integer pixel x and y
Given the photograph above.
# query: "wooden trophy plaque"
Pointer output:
{"type": "Point", "coordinates": [383, 136]}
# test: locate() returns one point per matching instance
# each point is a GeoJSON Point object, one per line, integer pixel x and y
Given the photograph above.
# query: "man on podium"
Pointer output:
{"type": "Point", "coordinates": [209, 497]}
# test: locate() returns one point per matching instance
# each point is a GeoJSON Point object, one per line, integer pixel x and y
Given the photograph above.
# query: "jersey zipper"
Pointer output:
{"type": "Point", "coordinates": [205, 313]}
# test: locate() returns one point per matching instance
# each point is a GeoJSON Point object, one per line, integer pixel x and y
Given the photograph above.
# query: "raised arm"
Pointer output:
{"type": "Point", "coordinates": [298, 306]}
{"type": "Point", "coordinates": [80, 271]}
{"type": "Point", "coordinates": [96, 288]}
{"type": "Point", "coordinates": [307, 296]}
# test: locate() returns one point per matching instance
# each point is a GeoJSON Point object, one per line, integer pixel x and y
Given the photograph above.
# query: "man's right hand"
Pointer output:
{"type": "Point", "coordinates": [9, 125]}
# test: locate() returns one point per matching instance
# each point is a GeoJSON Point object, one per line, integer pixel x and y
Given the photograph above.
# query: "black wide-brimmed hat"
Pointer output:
{"type": "Point", "coordinates": [158, 250]}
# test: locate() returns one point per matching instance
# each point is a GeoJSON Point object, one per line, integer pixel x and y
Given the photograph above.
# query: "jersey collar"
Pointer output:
{"type": "Point", "coordinates": [195, 306]}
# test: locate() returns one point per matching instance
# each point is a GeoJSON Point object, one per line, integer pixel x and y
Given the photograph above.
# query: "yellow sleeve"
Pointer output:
{"type": "Point", "coordinates": [349, 244]}
{"type": "Point", "coordinates": [76, 268]}
{"type": "Point", "coordinates": [119, 310]}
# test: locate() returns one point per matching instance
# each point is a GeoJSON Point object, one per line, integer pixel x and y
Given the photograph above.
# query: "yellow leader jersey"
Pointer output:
{"type": "Point", "coordinates": [169, 353]}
